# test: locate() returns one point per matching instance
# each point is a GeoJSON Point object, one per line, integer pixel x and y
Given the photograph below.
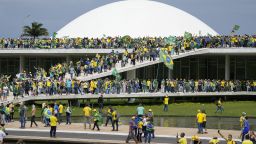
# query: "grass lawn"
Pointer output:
{"type": "Point", "coordinates": [232, 109]}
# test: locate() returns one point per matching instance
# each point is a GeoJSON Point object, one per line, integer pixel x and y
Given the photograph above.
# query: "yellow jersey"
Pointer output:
{"type": "Point", "coordinates": [53, 120]}
{"type": "Point", "coordinates": [247, 142]}
{"type": "Point", "coordinates": [204, 117]}
{"type": "Point", "coordinates": [166, 100]}
{"type": "Point", "coordinates": [60, 109]}
{"type": "Point", "coordinates": [87, 111]}
{"type": "Point", "coordinates": [214, 141]}
{"type": "Point", "coordinates": [182, 141]}
{"type": "Point", "coordinates": [200, 117]}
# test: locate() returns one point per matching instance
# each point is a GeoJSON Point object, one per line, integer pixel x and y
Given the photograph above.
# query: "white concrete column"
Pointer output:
{"type": "Point", "coordinates": [22, 64]}
{"type": "Point", "coordinates": [227, 67]}
{"type": "Point", "coordinates": [131, 74]}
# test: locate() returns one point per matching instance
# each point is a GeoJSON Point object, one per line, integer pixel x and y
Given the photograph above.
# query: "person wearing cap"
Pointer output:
{"type": "Point", "coordinates": [241, 120]}
{"type": "Point", "coordinates": [182, 139]}
{"type": "Point", "coordinates": [131, 134]}
{"type": "Point", "coordinates": [214, 140]}
{"type": "Point", "coordinates": [199, 118]}
{"type": "Point", "coordinates": [96, 117]}
{"type": "Point", "coordinates": [229, 140]}
{"type": "Point", "coordinates": [195, 140]}
{"type": "Point", "coordinates": [246, 128]}
{"type": "Point", "coordinates": [166, 102]}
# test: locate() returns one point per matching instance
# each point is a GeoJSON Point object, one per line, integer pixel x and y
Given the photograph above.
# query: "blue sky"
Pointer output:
{"type": "Point", "coordinates": [221, 15]}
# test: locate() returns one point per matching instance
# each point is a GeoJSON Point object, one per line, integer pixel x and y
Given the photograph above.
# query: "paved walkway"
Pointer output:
{"type": "Point", "coordinates": [123, 129]}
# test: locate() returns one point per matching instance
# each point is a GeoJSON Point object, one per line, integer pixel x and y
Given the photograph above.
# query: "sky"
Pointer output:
{"type": "Point", "coordinates": [221, 15]}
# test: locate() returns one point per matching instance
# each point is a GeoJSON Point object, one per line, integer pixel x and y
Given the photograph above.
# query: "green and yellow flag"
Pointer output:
{"type": "Point", "coordinates": [167, 59]}
{"type": "Point", "coordinates": [187, 36]}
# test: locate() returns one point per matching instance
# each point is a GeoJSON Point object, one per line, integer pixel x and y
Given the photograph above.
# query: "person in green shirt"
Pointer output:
{"type": "Point", "coordinates": [96, 118]}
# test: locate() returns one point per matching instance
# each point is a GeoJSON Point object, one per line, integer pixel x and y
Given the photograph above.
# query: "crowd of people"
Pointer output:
{"type": "Point", "coordinates": [52, 86]}
{"type": "Point", "coordinates": [128, 42]}
{"type": "Point", "coordinates": [141, 125]}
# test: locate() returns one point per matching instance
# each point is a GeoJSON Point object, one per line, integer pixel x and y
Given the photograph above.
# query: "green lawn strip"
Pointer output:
{"type": "Point", "coordinates": [231, 109]}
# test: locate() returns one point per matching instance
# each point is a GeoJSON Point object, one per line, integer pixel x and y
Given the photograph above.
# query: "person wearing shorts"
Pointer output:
{"type": "Point", "coordinates": [87, 115]}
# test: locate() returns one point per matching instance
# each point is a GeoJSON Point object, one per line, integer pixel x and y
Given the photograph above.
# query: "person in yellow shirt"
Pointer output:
{"type": "Point", "coordinates": [204, 121]}
{"type": "Point", "coordinates": [247, 140]}
{"type": "Point", "coordinates": [195, 140]}
{"type": "Point", "coordinates": [199, 118]}
{"type": "Point", "coordinates": [109, 115]}
{"type": "Point", "coordinates": [87, 114]}
{"type": "Point", "coordinates": [182, 139]}
{"type": "Point", "coordinates": [214, 141]}
{"type": "Point", "coordinates": [115, 119]}
{"type": "Point", "coordinates": [140, 131]}
{"type": "Point", "coordinates": [229, 140]}
{"type": "Point", "coordinates": [166, 102]}
{"type": "Point", "coordinates": [53, 123]}
{"type": "Point", "coordinates": [60, 112]}
{"type": "Point", "coordinates": [219, 106]}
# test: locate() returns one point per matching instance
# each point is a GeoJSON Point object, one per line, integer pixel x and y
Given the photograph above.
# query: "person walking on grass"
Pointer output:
{"type": "Point", "coordinates": [219, 106]}
{"type": "Point", "coordinates": [140, 110]}
{"type": "Point", "coordinates": [182, 139]}
{"type": "Point", "coordinates": [33, 115]}
{"type": "Point", "coordinates": [53, 123]}
{"type": "Point", "coordinates": [87, 116]}
{"type": "Point", "coordinates": [229, 140]}
{"type": "Point", "coordinates": [166, 102]}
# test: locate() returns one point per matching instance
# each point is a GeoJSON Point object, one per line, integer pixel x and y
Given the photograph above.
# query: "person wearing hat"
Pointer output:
{"type": "Point", "coordinates": [96, 117]}
{"type": "Point", "coordinates": [166, 102]}
{"type": "Point", "coordinates": [200, 118]}
{"type": "Point", "coordinates": [241, 120]}
{"type": "Point", "coordinates": [131, 134]}
{"type": "Point", "coordinates": [195, 140]}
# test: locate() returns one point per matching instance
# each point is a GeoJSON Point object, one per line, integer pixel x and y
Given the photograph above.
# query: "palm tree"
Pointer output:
{"type": "Point", "coordinates": [35, 30]}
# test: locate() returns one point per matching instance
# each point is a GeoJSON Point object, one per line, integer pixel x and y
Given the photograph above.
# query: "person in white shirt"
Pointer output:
{"type": "Point", "coordinates": [2, 136]}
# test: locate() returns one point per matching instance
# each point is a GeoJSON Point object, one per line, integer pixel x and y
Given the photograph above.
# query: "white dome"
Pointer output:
{"type": "Point", "coordinates": [136, 18]}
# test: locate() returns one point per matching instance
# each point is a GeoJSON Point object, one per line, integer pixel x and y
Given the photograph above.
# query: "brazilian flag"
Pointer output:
{"type": "Point", "coordinates": [116, 74]}
{"type": "Point", "coordinates": [167, 59]}
{"type": "Point", "coordinates": [187, 36]}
